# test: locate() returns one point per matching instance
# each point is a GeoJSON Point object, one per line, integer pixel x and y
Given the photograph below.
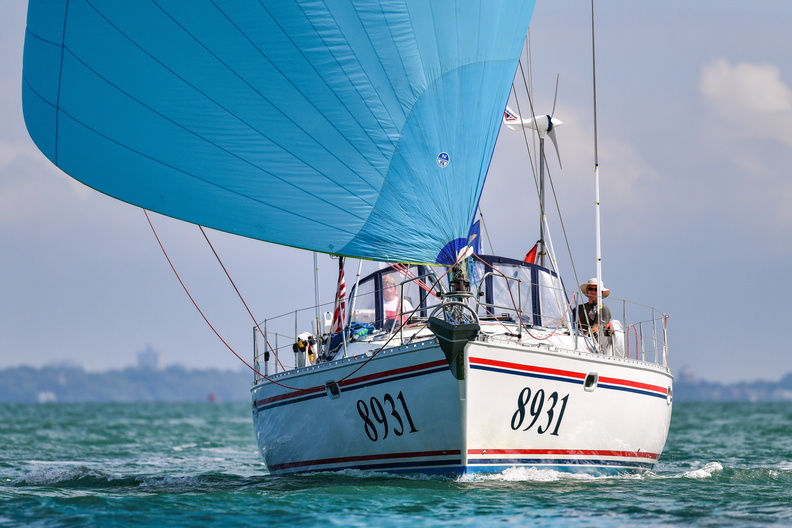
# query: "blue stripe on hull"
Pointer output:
{"type": "Point", "coordinates": [630, 389]}
{"type": "Point", "coordinates": [594, 470]}
{"type": "Point", "coordinates": [574, 381]}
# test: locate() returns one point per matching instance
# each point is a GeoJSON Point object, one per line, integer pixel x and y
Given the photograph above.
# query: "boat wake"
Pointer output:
{"type": "Point", "coordinates": [522, 474]}
{"type": "Point", "coordinates": [526, 474]}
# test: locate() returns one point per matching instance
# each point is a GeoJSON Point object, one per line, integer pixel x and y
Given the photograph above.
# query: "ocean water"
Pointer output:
{"type": "Point", "coordinates": [196, 465]}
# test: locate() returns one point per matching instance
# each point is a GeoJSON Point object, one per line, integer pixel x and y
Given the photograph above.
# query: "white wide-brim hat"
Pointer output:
{"type": "Point", "coordinates": [593, 282]}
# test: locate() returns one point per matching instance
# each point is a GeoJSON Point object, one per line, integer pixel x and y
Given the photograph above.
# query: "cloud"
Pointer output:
{"type": "Point", "coordinates": [749, 127]}
{"type": "Point", "coordinates": [747, 101]}
{"type": "Point", "coordinates": [630, 174]}
{"type": "Point", "coordinates": [8, 153]}
{"type": "Point", "coordinates": [745, 87]}
{"type": "Point", "coordinates": [33, 189]}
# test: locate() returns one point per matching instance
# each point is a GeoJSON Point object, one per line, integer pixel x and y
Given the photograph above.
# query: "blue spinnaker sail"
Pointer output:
{"type": "Point", "coordinates": [353, 127]}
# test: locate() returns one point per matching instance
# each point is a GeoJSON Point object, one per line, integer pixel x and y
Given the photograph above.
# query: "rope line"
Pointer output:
{"type": "Point", "coordinates": [206, 319]}
{"type": "Point", "coordinates": [255, 322]}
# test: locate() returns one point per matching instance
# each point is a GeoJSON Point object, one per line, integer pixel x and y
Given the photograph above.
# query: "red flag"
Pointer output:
{"type": "Point", "coordinates": [339, 313]}
{"type": "Point", "coordinates": [530, 257]}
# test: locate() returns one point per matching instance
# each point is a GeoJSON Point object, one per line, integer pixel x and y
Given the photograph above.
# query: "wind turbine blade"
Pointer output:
{"type": "Point", "coordinates": [552, 134]}
{"type": "Point", "coordinates": [555, 97]}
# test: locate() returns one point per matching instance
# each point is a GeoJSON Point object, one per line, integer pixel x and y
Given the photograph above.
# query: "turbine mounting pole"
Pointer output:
{"type": "Point", "coordinates": [542, 247]}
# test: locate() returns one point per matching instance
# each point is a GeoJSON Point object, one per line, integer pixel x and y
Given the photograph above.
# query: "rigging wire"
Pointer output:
{"type": "Point", "coordinates": [528, 86]}
{"type": "Point", "coordinates": [192, 299]}
{"type": "Point", "coordinates": [230, 348]}
{"type": "Point", "coordinates": [529, 89]}
{"type": "Point", "coordinates": [255, 322]}
{"type": "Point", "coordinates": [528, 82]}
{"type": "Point", "coordinates": [486, 231]}
{"type": "Point", "coordinates": [563, 230]}
{"type": "Point", "coordinates": [525, 133]}
{"type": "Point", "coordinates": [205, 318]}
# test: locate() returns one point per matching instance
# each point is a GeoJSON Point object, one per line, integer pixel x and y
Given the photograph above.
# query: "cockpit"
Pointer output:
{"type": "Point", "coordinates": [505, 289]}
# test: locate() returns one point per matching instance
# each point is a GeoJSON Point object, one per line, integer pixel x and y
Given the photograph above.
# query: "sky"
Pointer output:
{"type": "Point", "coordinates": [694, 135]}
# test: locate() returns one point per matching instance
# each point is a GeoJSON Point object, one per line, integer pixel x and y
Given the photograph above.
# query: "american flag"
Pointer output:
{"type": "Point", "coordinates": [339, 313]}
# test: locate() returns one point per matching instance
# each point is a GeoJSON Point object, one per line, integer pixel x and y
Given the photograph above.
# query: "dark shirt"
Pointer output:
{"type": "Point", "coordinates": [587, 315]}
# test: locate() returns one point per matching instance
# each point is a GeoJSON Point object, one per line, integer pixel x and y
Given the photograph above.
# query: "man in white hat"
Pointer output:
{"type": "Point", "coordinates": [588, 319]}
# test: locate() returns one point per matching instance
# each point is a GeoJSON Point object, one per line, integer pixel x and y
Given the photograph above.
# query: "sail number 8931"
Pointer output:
{"type": "Point", "coordinates": [375, 416]}
{"type": "Point", "coordinates": [532, 409]}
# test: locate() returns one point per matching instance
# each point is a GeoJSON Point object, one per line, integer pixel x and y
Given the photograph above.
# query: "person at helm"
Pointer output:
{"type": "Point", "coordinates": [589, 321]}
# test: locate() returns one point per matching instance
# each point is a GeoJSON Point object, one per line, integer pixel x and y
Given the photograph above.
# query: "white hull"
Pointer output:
{"type": "Point", "coordinates": [402, 410]}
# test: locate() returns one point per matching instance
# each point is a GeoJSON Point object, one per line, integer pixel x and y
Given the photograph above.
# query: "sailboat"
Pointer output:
{"type": "Point", "coordinates": [365, 130]}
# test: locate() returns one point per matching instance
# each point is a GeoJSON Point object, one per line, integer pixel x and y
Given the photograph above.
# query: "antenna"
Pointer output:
{"type": "Point", "coordinates": [596, 180]}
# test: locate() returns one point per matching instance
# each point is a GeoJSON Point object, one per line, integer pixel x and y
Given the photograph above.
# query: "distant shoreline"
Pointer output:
{"type": "Point", "coordinates": [178, 384]}
{"type": "Point", "coordinates": [133, 384]}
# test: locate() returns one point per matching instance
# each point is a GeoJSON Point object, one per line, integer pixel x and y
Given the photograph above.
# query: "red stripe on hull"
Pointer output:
{"type": "Point", "coordinates": [395, 372]}
{"type": "Point", "coordinates": [527, 368]}
{"type": "Point", "coordinates": [566, 374]}
{"type": "Point", "coordinates": [633, 384]}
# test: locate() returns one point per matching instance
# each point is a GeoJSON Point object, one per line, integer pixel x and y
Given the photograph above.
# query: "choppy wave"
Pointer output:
{"type": "Point", "coordinates": [82, 476]}
{"type": "Point", "coordinates": [705, 472]}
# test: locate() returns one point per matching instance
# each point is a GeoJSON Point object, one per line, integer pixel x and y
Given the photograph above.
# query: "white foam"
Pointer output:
{"type": "Point", "coordinates": [526, 474]}
{"type": "Point", "coordinates": [172, 480]}
{"type": "Point", "coordinates": [706, 472]}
